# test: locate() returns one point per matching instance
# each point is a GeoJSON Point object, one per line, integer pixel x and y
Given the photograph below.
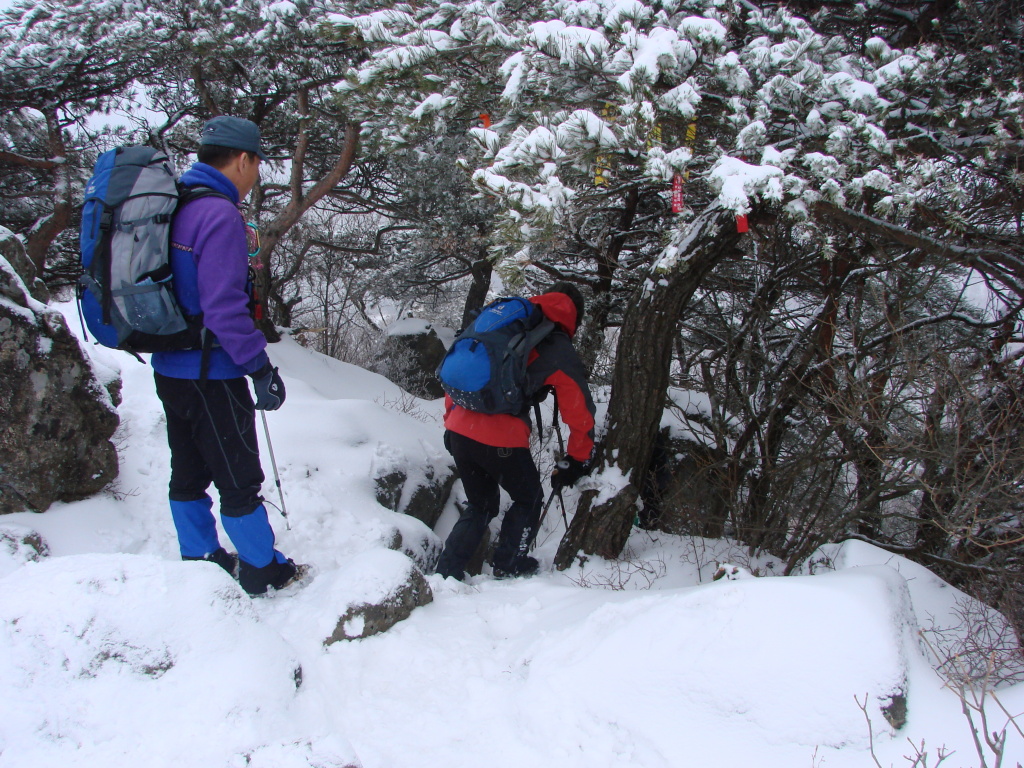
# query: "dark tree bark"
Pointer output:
{"type": "Point", "coordinates": [301, 202]}
{"type": "Point", "coordinates": [589, 344]}
{"type": "Point", "coordinates": [481, 271]}
{"type": "Point", "coordinates": [639, 384]}
{"type": "Point", "coordinates": [1001, 261]}
{"type": "Point", "coordinates": [39, 240]}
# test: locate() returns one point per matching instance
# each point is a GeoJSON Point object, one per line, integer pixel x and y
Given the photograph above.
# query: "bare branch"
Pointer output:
{"type": "Point", "coordinates": [31, 162]}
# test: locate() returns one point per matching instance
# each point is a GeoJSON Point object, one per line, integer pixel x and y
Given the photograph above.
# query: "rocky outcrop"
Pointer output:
{"type": "Point", "coordinates": [411, 352]}
{"type": "Point", "coordinates": [375, 604]}
{"type": "Point", "coordinates": [684, 494]}
{"type": "Point", "coordinates": [420, 490]}
{"type": "Point", "coordinates": [427, 499]}
{"type": "Point", "coordinates": [731, 572]}
{"type": "Point", "coordinates": [415, 541]}
{"type": "Point", "coordinates": [12, 249]}
{"type": "Point", "coordinates": [57, 420]}
{"type": "Point", "coordinates": [20, 545]}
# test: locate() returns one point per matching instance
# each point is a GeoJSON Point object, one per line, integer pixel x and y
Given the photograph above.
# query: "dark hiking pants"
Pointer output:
{"type": "Point", "coordinates": [211, 430]}
{"type": "Point", "coordinates": [485, 470]}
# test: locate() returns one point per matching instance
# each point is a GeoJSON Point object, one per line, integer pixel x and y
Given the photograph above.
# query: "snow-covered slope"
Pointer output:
{"type": "Point", "coordinates": [113, 652]}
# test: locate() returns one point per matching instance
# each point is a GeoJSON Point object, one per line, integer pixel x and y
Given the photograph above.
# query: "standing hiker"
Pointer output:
{"type": "Point", "coordinates": [211, 417]}
{"type": "Point", "coordinates": [492, 451]}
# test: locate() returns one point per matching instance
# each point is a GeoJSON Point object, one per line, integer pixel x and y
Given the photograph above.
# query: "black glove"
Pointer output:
{"type": "Point", "coordinates": [567, 472]}
{"type": "Point", "coordinates": [269, 388]}
{"type": "Point", "coordinates": [448, 441]}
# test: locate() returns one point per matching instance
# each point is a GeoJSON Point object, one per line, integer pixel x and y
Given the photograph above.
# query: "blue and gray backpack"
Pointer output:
{"type": "Point", "coordinates": [485, 368]}
{"type": "Point", "coordinates": [126, 294]}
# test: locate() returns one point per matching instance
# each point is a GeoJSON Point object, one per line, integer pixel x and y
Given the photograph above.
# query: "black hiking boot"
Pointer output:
{"type": "Point", "coordinates": [524, 565]}
{"type": "Point", "coordinates": [276, 576]}
{"type": "Point", "coordinates": [226, 560]}
{"type": "Point", "coordinates": [457, 575]}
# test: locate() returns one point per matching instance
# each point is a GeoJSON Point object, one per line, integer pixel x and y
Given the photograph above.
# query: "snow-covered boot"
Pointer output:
{"type": "Point", "coordinates": [277, 575]}
{"type": "Point", "coordinates": [518, 528]}
{"type": "Point", "coordinates": [524, 565]}
{"type": "Point", "coordinates": [462, 542]}
{"type": "Point", "coordinates": [226, 560]}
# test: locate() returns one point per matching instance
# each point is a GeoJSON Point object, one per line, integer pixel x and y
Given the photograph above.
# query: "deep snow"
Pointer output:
{"type": "Point", "coordinates": [116, 653]}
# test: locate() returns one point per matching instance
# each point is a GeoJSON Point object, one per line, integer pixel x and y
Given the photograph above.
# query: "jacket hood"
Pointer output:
{"type": "Point", "coordinates": [559, 309]}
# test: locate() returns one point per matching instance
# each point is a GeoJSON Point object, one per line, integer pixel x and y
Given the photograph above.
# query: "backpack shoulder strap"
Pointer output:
{"type": "Point", "coordinates": [538, 325]}
{"type": "Point", "coordinates": [187, 195]}
{"type": "Point", "coordinates": [531, 339]}
{"type": "Point", "coordinates": [539, 332]}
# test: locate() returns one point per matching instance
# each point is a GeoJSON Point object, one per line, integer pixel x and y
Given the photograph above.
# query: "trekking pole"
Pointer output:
{"type": "Point", "coordinates": [277, 477]}
{"type": "Point", "coordinates": [540, 520]}
{"type": "Point", "coordinates": [547, 506]}
{"type": "Point", "coordinates": [559, 464]}
{"type": "Point", "coordinates": [561, 450]}
{"type": "Point", "coordinates": [558, 430]}
{"type": "Point", "coordinates": [562, 463]}
{"type": "Point", "coordinates": [561, 503]}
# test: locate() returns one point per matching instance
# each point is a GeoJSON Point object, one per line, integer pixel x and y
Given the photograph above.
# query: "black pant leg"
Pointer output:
{"type": "Point", "coordinates": [190, 476]}
{"type": "Point", "coordinates": [213, 437]}
{"type": "Point", "coordinates": [484, 469]}
{"type": "Point", "coordinates": [461, 543]}
{"type": "Point", "coordinates": [482, 495]}
{"type": "Point", "coordinates": [481, 486]}
{"type": "Point", "coordinates": [518, 475]}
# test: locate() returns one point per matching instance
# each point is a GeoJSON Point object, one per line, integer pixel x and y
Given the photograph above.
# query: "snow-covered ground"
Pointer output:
{"type": "Point", "coordinates": [115, 653]}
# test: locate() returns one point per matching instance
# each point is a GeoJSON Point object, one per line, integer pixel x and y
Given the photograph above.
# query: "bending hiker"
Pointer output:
{"type": "Point", "coordinates": [211, 417]}
{"type": "Point", "coordinates": [492, 451]}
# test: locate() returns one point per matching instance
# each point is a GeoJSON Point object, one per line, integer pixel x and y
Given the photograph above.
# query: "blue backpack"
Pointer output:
{"type": "Point", "coordinates": [126, 294]}
{"type": "Point", "coordinates": [485, 368]}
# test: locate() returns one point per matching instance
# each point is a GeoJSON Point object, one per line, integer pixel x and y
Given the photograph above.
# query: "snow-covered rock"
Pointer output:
{"type": "Point", "coordinates": [100, 646]}
{"type": "Point", "coordinates": [411, 350]}
{"type": "Point", "coordinates": [19, 545]}
{"type": "Point", "coordinates": [815, 643]}
{"type": "Point", "coordinates": [57, 417]}
{"type": "Point", "coordinates": [366, 596]}
{"type": "Point", "coordinates": [420, 490]}
{"type": "Point", "coordinates": [12, 249]}
{"type": "Point", "coordinates": [374, 604]}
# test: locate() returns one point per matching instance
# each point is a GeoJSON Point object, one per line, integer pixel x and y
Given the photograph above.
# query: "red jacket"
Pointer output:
{"type": "Point", "coordinates": [553, 363]}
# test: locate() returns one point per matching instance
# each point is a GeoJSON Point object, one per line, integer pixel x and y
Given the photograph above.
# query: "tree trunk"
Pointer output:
{"type": "Point", "coordinates": [639, 384]}
{"type": "Point", "coordinates": [38, 242]}
{"type": "Point", "coordinates": [591, 341]}
{"type": "Point", "coordinates": [481, 271]}
{"type": "Point", "coordinates": [298, 204]}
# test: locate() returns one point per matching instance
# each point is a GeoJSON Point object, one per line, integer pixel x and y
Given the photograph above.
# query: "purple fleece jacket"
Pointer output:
{"type": "Point", "coordinates": [210, 259]}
